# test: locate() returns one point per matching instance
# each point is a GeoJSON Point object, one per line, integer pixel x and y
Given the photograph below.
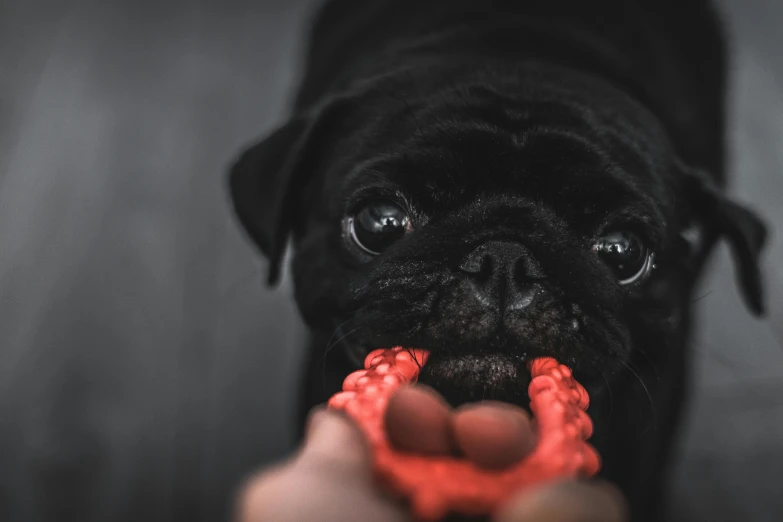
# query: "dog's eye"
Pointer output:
{"type": "Point", "coordinates": [626, 254]}
{"type": "Point", "coordinates": [376, 226]}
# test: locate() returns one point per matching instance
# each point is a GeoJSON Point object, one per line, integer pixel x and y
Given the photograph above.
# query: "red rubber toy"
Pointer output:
{"type": "Point", "coordinates": [437, 486]}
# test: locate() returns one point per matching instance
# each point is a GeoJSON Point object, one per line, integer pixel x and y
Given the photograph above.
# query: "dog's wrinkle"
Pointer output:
{"type": "Point", "coordinates": [549, 104]}
{"type": "Point", "coordinates": [402, 299]}
{"type": "Point", "coordinates": [401, 261]}
{"type": "Point", "coordinates": [400, 288]}
{"type": "Point", "coordinates": [490, 120]}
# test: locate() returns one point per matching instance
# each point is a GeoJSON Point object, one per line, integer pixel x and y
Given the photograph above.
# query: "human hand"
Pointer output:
{"type": "Point", "coordinates": [330, 478]}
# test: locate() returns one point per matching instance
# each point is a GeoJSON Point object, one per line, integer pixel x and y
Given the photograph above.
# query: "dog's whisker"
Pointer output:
{"type": "Point", "coordinates": [415, 359]}
{"type": "Point", "coordinates": [643, 353]}
{"type": "Point", "coordinates": [337, 329]}
{"type": "Point", "coordinates": [647, 392]}
{"type": "Point", "coordinates": [609, 390]}
{"type": "Point", "coordinates": [330, 346]}
{"type": "Point", "coordinates": [704, 295]}
{"type": "Point", "coordinates": [322, 362]}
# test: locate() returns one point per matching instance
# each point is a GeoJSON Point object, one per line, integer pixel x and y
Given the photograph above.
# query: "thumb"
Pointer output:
{"type": "Point", "coordinates": [333, 439]}
{"type": "Point", "coordinates": [328, 480]}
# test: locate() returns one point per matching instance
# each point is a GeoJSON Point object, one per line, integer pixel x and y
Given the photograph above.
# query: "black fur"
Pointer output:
{"type": "Point", "coordinates": [533, 125]}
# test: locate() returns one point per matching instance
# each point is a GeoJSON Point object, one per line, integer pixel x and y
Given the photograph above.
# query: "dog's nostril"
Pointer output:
{"type": "Point", "coordinates": [491, 257]}
{"type": "Point", "coordinates": [477, 263]}
{"type": "Point", "coordinates": [480, 268]}
{"type": "Point", "coordinates": [521, 297]}
{"type": "Point", "coordinates": [486, 268]}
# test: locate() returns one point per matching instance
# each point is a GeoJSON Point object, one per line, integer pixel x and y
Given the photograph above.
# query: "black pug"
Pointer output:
{"type": "Point", "coordinates": [495, 180]}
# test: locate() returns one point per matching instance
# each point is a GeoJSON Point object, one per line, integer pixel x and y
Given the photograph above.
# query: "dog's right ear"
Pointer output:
{"type": "Point", "coordinates": [262, 188]}
{"type": "Point", "coordinates": [268, 180]}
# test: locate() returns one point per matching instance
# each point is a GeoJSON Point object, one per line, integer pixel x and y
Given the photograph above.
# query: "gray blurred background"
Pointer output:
{"type": "Point", "coordinates": [144, 366]}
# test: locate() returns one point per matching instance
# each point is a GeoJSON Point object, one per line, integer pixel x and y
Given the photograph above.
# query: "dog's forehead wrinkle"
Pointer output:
{"type": "Point", "coordinates": [439, 125]}
{"type": "Point", "coordinates": [551, 93]}
{"type": "Point", "coordinates": [514, 108]}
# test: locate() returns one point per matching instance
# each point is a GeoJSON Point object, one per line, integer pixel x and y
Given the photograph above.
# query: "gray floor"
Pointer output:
{"type": "Point", "coordinates": [143, 366]}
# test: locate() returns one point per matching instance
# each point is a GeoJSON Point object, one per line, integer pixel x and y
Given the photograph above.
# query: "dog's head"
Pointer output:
{"type": "Point", "coordinates": [490, 223]}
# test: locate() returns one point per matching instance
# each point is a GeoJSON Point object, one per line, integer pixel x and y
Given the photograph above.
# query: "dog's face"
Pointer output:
{"type": "Point", "coordinates": [491, 224]}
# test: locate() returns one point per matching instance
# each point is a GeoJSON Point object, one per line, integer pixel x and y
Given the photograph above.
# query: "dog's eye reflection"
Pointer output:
{"type": "Point", "coordinates": [377, 225]}
{"type": "Point", "coordinates": [626, 254]}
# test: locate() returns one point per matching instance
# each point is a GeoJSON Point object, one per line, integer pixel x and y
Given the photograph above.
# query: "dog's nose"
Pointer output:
{"type": "Point", "coordinates": [500, 272]}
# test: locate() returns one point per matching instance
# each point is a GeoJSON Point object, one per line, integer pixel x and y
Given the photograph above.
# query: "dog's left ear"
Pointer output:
{"type": "Point", "coordinates": [744, 231]}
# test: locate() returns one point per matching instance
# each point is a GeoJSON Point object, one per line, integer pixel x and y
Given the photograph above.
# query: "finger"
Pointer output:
{"type": "Point", "coordinates": [417, 420]}
{"type": "Point", "coordinates": [571, 501]}
{"type": "Point", "coordinates": [493, 435]}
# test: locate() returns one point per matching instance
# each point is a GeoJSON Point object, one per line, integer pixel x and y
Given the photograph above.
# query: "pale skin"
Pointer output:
{"type": "Point", "coordinates": [329, 479]}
